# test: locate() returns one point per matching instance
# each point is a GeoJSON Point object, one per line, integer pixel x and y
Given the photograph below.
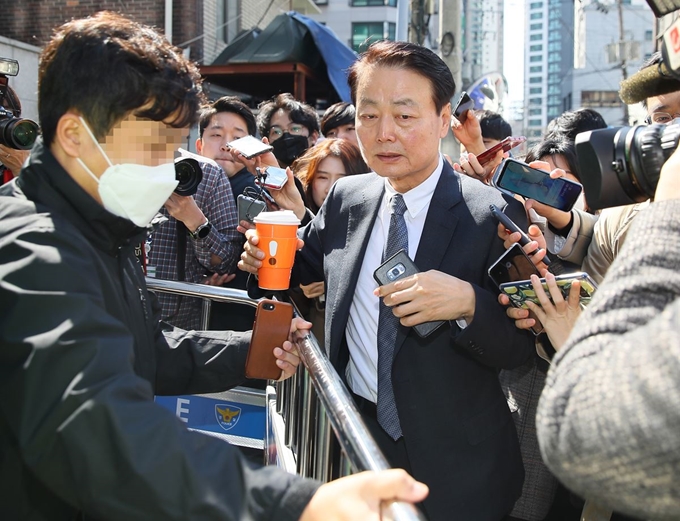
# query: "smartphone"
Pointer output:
{"type": "Point", "coordinates": [249, 208]}
{"type": "Point", "coordinates": [463, 107]}
{"type": "Point", "coordinates": [514, 265]}
{"type": "Point", "coordinates": [506, 144]}
{"type": "Point", "coordinates": [510, 225]}
{"type": "Point", "coordinates": [272, 177]}
{"type": "Point", "coordinates": [515, 177]}
{"type": "Point", "coordinates": [521, 291]}
{"type": "Point", "coordinates": [270, 329]}
{"type": "Point", "coordinates": [249, 146]}
{"type": "Point", "coordinates": [397, 267]}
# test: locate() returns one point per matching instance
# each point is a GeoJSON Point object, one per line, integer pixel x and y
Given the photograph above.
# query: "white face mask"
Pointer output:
{"type": "Point", "coordinates": [134, 192]}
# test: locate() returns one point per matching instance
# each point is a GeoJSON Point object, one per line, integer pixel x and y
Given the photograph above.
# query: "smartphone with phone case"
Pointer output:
{"type": "Point", "coordinates": [514, 265]}
{"type": "Point", "coordinates": [399, 266]}
{"type": "Point", "coordinates": [249, 208]}
{"type": "Point", "coordinates": [463, 107]}
{"type": "Point", "coordinates": [249, 146]}
{"type": "Point", "coordinates": [515, 177]}
{"type": "Point", "coordinates": [270, 329]}
{"type": "Point", "coordinates": [272, 177]}
{"type": "Point", "coordinates": [521, 291]}
{"type": "Point", "coordinates": [505, 145]}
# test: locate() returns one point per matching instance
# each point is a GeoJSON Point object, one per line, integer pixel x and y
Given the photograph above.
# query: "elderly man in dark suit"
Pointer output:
{"type": "Point", "coordinates": [437, 409]}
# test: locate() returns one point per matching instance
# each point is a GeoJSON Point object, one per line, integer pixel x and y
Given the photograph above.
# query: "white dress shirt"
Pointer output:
{"type": "Point", "coordinates": [362, 325]}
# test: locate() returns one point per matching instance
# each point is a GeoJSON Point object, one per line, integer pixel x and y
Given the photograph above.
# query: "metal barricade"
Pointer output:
{"type": "Point", "coordinates": [303, 411]}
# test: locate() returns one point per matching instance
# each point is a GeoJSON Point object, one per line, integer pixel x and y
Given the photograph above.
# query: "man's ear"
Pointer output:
{"type": "Point", "coordinates": [199, 145]}
{"type": "Point", "coordinates": [70, 134]}
{"type": "Point", "coordinates": [446, 119]}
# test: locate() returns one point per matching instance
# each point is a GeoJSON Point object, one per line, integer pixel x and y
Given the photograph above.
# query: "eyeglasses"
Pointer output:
{"type": "Point", "coordinates": [295, 130]}
{"type": "Point", "coordinates": [662, 118]}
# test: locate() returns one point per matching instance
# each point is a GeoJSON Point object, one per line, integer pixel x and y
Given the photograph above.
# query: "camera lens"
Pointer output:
{"type": "Point", "coordinates": [268, 307]}
{"type": "Point", "coordinates": [189, 174]}
{"type": "Point", "coordinates": [17, 133]}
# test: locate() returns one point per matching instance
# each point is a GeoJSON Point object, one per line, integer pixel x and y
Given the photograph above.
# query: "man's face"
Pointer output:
{"type": "Point", "coordinates": [664, 108]}
{"type": "Point", "coordinates": [143, 142]}
{"type": "Point", "coordinates": [398, 126]}
{"type": "Point", "coordinates": [489, 142]}
{"type": "Point", "coordinates": [223, 128]}
{"type": "Point", "coordinates": [281, 123]}
{"type": "Point", "coordinates": [347, 131]}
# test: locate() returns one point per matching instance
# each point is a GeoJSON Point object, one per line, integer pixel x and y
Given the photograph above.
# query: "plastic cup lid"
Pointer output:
{"type": "Point", "coordinates": [278, 217]}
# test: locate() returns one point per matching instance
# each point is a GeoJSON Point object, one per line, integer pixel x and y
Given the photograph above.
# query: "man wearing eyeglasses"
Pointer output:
{"type": "Point", "coordinates": [291, 127]}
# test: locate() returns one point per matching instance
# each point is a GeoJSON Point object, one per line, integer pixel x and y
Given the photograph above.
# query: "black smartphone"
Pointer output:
{"type": "Point", "coordinates": [397, 267]}
{"type": "Point", "coordinates": [514, 265]}
{"type": "Point", "coordinates": [272, 177]}
{"type": "Point", "coordinates": [515, 177]}
{"type": "Point", "coordinates": [512, 227]}
{"type": "Point", "coordinates": [463, 107]}
{"type": "Point", "coordinates": [249, 208]}
{"type": "Point", "coordinates": [506, 144]}
{"type": "Point", "coordinates": [249, 146]}
{"type": "Point", "coordinates": [270, 329]}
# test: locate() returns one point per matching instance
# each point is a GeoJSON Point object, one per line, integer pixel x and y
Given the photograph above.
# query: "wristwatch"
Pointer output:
{"type": "Point", "coordinates": [202, 231]}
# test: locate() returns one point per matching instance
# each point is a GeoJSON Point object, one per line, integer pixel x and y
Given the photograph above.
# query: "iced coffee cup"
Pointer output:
{"type": "Point", "coordinates": [277, 232]}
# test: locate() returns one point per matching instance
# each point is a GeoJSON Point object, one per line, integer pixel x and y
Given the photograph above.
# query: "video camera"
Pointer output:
{"type": "Point", "coordinates": [15, 132]}
{"type": "Point", "coordinates": [621, 165]}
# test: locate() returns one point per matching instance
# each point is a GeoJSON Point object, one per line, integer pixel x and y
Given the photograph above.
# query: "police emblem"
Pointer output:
{"type": "Point", "coordinates": [227, 415]}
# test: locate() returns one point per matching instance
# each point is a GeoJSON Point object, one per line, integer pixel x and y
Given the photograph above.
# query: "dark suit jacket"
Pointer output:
{"type": "Point", "coordinates": [456, 423]}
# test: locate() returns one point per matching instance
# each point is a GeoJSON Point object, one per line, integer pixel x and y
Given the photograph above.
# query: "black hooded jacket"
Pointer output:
{"type": "Point", "coordinates": [82, 354]}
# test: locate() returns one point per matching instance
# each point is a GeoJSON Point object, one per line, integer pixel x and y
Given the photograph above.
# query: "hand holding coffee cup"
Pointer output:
{"type": "Point", "coordinates": [270, 250]}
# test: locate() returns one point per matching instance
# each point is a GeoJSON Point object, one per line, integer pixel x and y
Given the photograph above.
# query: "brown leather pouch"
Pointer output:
{"type": "Point", "coordinates": [270, 329]}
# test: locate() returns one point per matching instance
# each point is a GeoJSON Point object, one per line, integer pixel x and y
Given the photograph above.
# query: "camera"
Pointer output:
{"type": "Point", "coordinates": [622, 165]}
{"type": "Point", "coordinates": [189, 174]}
{"type": "Point", "coordinates": [15, 132]}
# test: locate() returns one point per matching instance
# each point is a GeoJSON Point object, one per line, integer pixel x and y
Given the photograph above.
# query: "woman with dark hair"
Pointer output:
{"type": "Point", "coordinates": [325, 163]}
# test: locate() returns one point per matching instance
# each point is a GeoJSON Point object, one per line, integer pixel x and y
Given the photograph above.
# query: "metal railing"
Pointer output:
{"type": "Point", "coordinates": [305, 409]}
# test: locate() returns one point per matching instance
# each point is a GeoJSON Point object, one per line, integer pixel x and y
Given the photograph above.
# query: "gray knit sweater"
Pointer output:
{"type": "Point", "coordinates": [609, 417]}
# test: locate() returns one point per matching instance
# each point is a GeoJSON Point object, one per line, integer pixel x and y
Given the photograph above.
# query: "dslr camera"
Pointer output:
{"type": "Point", "coordinates": [15, 132]}
{"type": "Point", "coordinates": [189, 174]}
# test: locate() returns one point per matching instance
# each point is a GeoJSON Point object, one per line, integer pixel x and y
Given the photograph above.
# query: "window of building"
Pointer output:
{"type": "Point", "coordinates": [535, 48]}
{"type": "Point", "coordinates": [536, 37]}
{"type": "Point", "coordinates": [536, 79]}
{"type": "Point", "coordinates": [554, 100]}
{"type": "Point", "coordinates": [365, 3]}
{"type": "Point", "coordinates": [536, 5]}
{"type": "Point", "coordinates": [534, 133]}
{"type": "Point", "coordinates": [365, 33]}
{"type": "Point", "coordinates": [536, 16]}
{"type": "Point", "coordinates": [536, 90]}
{"type": "Point", "coordinates": [534, 112]}
{"type": "Point", "coordinates": [535, 122]}
{"type": "Point", "coordinates": [536, 68]}
{"type": "Point", "coordinates": [553, 112]}
{"type": "Point", "coordinates": [600, 98]}
{"type": "Point", "coordinates": [321, 2]}
{"type": "Point", "coordinates": [554, 57]}
{"type": "Point", "coordinates": [535, 101]}
{"type": "Point", "coordinates": [554, 67]}
{"type": "Point", "coordinates": [227, 19]}
{"type": "Point", "coordinates": [554, 46]}
{"type": "Point", "coordinates": [648, 36]}
{"type": "Point", "coordinates": [535, 58]}
{"type": "Point", "coordinates": [535, 27]}
{"type": "Point", "coordinates": [554, 89]}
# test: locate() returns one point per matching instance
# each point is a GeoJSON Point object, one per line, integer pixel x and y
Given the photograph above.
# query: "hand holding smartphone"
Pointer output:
{"type": "Point", "coordinates": [249, 208]}
{"type": "Point", "coordinates": [515, 177]}
{"type": "Point", "coordinates": [522, 291]}
{"type": "Point", "coordinates": [505, 145]}
{"type": "Point", "coordinates": [399, 266]}
{"type": "Point", "coordinates": [510, 225]}
{"type": "Point", "coordinates": [270, 329]}
{"type": "Point", "coordinates": [272, 177]}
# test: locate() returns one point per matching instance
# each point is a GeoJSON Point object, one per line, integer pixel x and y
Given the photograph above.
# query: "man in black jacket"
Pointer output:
{"type": "Point", "coordinates": [83, 352]}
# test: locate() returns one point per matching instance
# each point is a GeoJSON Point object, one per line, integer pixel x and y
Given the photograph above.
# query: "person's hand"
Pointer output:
{"type": "Point", "coordinates": [536, 249]}
{"type": "Point", "coordinates": [557, 218]}
{"type": "Point", "coordinates": [429, 296]}
{"type": "Point", "coordinates": [252, 256]}
{"type": "Point", "coordinates": [360, 496]}
{"type": "Point", "coordinates": [519, 315]}
{"type": "Point", "coordinates": [287, 357]}
{"type": "Point", "coordinates": [315, 289]}
{"type": "Point", "coordinates": [184, 209]}
{"type": "Point", "coordinates": [469, 133]}
{"type": "Point", "coordinates": [259, 161]}
{"type": "Point", "coordinates": [13, 159]}
{"type": "Point", "coordinates": [557, 316]}
{"type": "Point", "coordinates": [289, 198]}
{"type": "Point", "coordinates": [470, 166]}
{"type": "Point", "coordinates": [219, 280]}
{"type": "Point", "coordinates": [669, 180]}
{"type": "Point", "coordinates": [244, 226]}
